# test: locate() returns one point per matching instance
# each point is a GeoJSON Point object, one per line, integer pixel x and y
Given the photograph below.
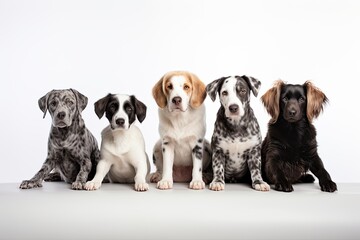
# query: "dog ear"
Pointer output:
{"type": "Point", "coordinates": [253, 83]}
{"type": "Point", "coordinates": [158, 92]}
{"type": "Point", "coordinates": [81, 100]}
{"type": "Point", "coordinates": [271, 100]}
{"type": "Point", "coordinates": [213, 88]}
{"type": "Point", "coordinates": [100, 105]}
{"type": "Point", "coordinates": [198, 94]}
{"type": "Point", "coordinates": [140, 108]}
{"type": "Point", "coordinates": [43, 103]}
{"type": "Point", "coordinates": [316, 101]}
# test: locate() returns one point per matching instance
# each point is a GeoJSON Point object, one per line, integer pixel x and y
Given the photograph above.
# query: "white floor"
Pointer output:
{"type": "Point", "coordinates": [116, 211]}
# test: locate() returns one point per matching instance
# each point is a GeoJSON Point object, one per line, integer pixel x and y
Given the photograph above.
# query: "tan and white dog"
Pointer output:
{"type": "Point", "coordinates": [182, 154]}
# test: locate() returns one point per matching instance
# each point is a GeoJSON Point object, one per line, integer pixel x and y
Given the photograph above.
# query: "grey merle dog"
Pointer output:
{"type": "Point", "coordinates": [72, 150]}
{"type": "Point", "coordinates": [236, 141]}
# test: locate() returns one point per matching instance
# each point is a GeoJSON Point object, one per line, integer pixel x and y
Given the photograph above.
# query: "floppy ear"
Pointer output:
{"type": "Point", "coordinates": [271, 100]}
{"type": "Point", "coordinates": [198, 92]}
{"type": "Point", "coordinates": [158, 93]}
{"type": "Point", "coordinates": [43, 103]}
{"type": "Point", "coordinates": [316, 101]}
{"type": "Point", "coordinates": [81, 100]}
{"type": "Point", "coordinates": [213, 88]}
{"type": "Point", "coordinates": [101, 104]}
{"type": "Point", "coordinates": [253, 83]}
{"type": "Point", "coordinates": [140, 108]}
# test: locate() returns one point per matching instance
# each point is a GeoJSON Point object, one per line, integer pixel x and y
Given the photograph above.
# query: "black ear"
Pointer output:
{"type": "Point", "coordinates": [81, 100]}
{"type": "Point", "coordinates": [140, 108]}
{"type": "Point", "coordinates": [253, 83]}
{"type": "Point", "coordinates": [43, 103]}
{"type": "Point", "coordinates": [100, 105]}
{"type": "Point", "coordinates": [214, 87]}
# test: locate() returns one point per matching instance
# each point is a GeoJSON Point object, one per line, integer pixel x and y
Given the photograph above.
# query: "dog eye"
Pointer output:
{"type": "Point", "coordinates": [301, 99]}
{"type": "Point", "coordinates": [170, 87]}
{"type": "Point", "coordinates": [69, 102]}
{"type": "Point", "coordinates": [285, 99]}
{"type": "Point", "coordinates": [53, 103]}
{"type": "Point", "coordinates": [224, 93]}
{"type": "Point", "coordinates": [242, 91]}
{"type": "Point", "coordinates": [113, 106]}
{"type": "Point", "coordinates": [186, 87]}
{"type": "Point", "coordinates": [129, 109]}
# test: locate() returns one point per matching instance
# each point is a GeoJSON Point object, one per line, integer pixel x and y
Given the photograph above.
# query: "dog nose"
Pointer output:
{"type": "Point", "coordinates": [233, 108]}
{"type": "Point", "coordinates": [120, 121]}
{"type": "Point", "coordinates": [61, 115]}
{"type": "Point", "coordinates": [292, 112]}
{"type": "Point", "coordinates": [176, 100]}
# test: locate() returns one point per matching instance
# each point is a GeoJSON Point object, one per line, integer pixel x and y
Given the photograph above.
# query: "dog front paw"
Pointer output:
{"type": "Point", "coordinates": [28, 184]}
{"type": "Point", "coordinates": [197, 184]}
{"type": "Point", "coordinates": [155, 177]}
{"type": "Point", "coordinates": [328, 186]}
{"type": "Point", "coordinates": [90, 185]}
{"type": "Point", "coordinates": [165, 184]}
{"type": "Point", "coordinates": [261, 186]}
{"type": "Point", "coordinates": [216, 186]}
{"type": "Point", "coordinates": [284, 187]}
{"type": "Point", "coordinates": [141, 187]}
{"type": "Point", "coordinates": [77, 185]}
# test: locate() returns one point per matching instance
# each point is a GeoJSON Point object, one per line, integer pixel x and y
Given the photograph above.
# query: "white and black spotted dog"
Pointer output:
{"type": "Point", "coordinates": [123, 156]}
{"type": "Point", "coordinates": [236, 141]}
{"type": "Point", "coordinates": [72, 150]}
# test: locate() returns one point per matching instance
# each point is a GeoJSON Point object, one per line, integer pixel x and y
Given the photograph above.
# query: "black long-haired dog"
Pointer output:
{"type": "Point", "coordinates": [289, 150]}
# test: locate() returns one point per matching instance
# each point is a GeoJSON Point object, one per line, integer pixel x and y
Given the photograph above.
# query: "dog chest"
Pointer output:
{"type": "Point", "coordinates": [235, 148]}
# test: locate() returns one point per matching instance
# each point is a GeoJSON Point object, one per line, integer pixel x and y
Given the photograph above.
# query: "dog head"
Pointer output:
{"type": "Point", "coordinates": [63, 106]}
{"type": "Point", "coordinates": [293, 102]}
{"type": "Point", "coordinates": [234, 94]}
{"type": "Point", "coordinates": [178, 90]}
{"type": "Point", "coordinates": [120, 110]}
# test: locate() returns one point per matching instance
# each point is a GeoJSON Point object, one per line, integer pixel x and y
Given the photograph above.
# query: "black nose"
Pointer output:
{"type": "Point", "coordinates": [176, 100]}
{"type": "Point", "coordinates": [234, 108]}
{"type": "Point", "coordinates": [61, 115]}
{"type": "Point", "coordinates": [292, 112]}
{"type": "Point", "coordinates": [120, 121]}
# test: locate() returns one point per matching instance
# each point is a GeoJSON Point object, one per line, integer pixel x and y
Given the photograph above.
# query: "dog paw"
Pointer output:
{"type": "Point", "coordinates": [77, 185]}
{"type": "Point", "coordinates": [264, 187]}
{"type": "Point", "coordinates": [141, 187]}
{"type": "Point", "coordinates": [197, 184]}
{"type": "Point", "coordinates": [28, 184]}
{"type": "Point", "coordinates": [90, 185]}
{"type": "Point", "coordinates": [284, 187]}
{"type": "Point", "coordinates": [165, 184]}
{"type": "Point", "coordinates": [328, 186]}
{"type": "Point", "coordinates": [217, 186]}
{"type": "Point", "coordinates": [155, 177]}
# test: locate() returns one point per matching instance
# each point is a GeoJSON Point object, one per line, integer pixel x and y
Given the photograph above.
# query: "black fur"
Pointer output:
{"type": "Point", "coordinates": [289, 150]}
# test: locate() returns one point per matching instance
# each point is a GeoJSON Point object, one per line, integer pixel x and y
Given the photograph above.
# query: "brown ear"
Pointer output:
{"type": "Point", "coordinates": [158, 93]}
{"type": "Point", "coordinates": [316, 100]}
{"type": "Point", "coordinates": [271, 100]}
{"type": "Point", "coordinates": [198, 92]}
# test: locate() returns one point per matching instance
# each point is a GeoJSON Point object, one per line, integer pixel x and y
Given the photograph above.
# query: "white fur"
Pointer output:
{"type": "Point", "coordinates": [177, 91]}
{"type": "Point", "coordinates": [230, 86]}
{"type": "Point", "coordinates": [123, 155]}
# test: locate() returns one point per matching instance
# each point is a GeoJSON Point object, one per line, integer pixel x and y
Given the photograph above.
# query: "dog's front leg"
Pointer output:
{"type": "Point", "coordinates": [254, 165]}
{"type": "Point", "coordinates": [218, 162]}
{"type": "Point", "coordinates": [85, 168]}
{"type": "Point", "coordinates": [102, 169]}
{"type": "Point", "coordinates": [197, 158]}
{"type": "Point", "coordinates": [168, 161]}
{"type": "Point", "coordinates": [141, 169]}
{"type": "Point", "coordinates": [36, 181]}
{"type": "Point", "coordinates": [325, 182]}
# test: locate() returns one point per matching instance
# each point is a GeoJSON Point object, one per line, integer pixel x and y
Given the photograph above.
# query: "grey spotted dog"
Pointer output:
{"type": "Point", "coordinates": [73, 151]}
{"type": "Point", "coordinates": [236, 141]}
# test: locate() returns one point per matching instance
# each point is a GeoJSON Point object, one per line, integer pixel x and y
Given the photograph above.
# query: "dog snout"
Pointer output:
{"type": "Point", "coordinates": [61, 115]}
{"type": "Point", "coordinates": [176, 101]}
{"type": "Point", "coordinates": [234, 108]}
{"type": "Point", "coordinates": [120, 122]}
{"type": "Point", "coordinates": [292, 112]}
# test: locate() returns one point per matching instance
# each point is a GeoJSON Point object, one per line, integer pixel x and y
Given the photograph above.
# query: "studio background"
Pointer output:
{"type": "Point", "coordinates": [99, 47]}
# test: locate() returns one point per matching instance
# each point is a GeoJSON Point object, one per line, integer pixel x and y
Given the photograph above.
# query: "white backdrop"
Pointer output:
{"type": "Point", "coordinates": [99, 47]}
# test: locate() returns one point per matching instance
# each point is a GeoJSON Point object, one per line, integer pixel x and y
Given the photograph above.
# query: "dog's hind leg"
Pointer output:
{"type": "Point", "coordinates": [306, 178]}
{"type": "Point", "coordinates": [53, 177]}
